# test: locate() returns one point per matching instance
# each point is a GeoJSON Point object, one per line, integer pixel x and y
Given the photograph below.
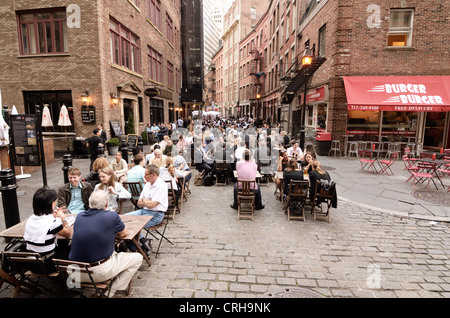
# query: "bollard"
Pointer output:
{"type": "Point", "coordinates": [67, 161]}
{"type": "Point", "coordinates": [9, 198]}
{"type": "Point", "coordinates": [124, 149]}
{"type": "Point", "coordinates": [140, 144]}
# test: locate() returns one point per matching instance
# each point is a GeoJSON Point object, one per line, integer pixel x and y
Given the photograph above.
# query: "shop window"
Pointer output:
{"type": "Point", "coordinates": [43, 32]}
{"type": "Point", "coordinates": [399, 126]}
{"type": "Point", "coordinates": [400, 27]}
{"type": "Point", "coordinates": [54, 100]}
{"type": "Point", "coordinates": [363, 122]}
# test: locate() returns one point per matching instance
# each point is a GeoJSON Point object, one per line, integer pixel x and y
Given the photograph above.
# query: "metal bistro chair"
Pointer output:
{"type": "Point", "coordinates": [353, 148]}
{"type": "Point", "coordinates": [246, 195]}
{"type": "Point", "coordinates": [386, 164]}
{"type": "Point", "coordinates": [298, 192]}
{"type": "Point", "coordinates": [366, 160]}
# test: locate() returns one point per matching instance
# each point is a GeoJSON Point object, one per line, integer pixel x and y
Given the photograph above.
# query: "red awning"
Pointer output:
{"type": "Point", "coordinates": [398, 93]}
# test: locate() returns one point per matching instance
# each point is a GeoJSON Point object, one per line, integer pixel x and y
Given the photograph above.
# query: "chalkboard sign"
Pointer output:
{"type": "Point", "coordinates": [88, 114]}
{"type": "Point", "coordinates": [132, 141]}
{"type": "Point", "coordinates": [25, 141]}
{"type": "Point", "coordinates": [116, 131]}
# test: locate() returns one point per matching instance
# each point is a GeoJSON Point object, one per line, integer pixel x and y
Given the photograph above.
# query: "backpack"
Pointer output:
{"type": "Point", "coordinates": [209, 180]}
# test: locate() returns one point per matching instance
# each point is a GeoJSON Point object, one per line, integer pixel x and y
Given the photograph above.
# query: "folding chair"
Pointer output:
{"type": "Point", "coordinates": [298, 192]}
{"type": "Point", "coordinates": [246, 195]}
{"type": "Point", "coordinates": [322, 195]}
{"type": "Point", "coordinates": [445, 172]}
{"type": "Point", "coordinates": [135, 188]}
{"type": "Point", "coordinates": [365, 160]}
{"type": "Point", "coordinates": [23, 264]}
{"type": "Point", "coordinates": [156, 228]}
{"type": "Point", "coordinates": [386, 164]}
{"type": "Point", "coordinates": [424, 172]}
{"type": "Point", "coordinates": [173, 201]}
{"type": "Point", "coordinates": [67, 267]}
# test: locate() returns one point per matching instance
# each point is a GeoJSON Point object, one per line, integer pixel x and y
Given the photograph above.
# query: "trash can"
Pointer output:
{"type": "Point", "coordinates": [323, 143]}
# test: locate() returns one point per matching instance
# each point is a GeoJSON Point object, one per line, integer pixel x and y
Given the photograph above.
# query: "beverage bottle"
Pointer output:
{"type": "Point", "coordinates": [434, 157]}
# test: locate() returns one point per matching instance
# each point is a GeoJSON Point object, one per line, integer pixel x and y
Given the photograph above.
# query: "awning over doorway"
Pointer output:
{"type": "Point", "coordinates": [398, 93]}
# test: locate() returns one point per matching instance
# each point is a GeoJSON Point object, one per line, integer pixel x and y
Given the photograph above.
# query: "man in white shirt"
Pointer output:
{"type": "Point", "coordinates": [295, 150]}
{"type": "Point", "coordinates": [154, 198]}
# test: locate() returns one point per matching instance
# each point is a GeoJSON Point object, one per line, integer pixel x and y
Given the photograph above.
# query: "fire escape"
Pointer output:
{"type": "Point", "coordinates": [257, 87]}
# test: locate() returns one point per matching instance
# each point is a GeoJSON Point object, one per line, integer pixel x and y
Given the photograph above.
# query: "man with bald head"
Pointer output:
{"type": "Point", "coordinates": [94, 233]}
{"type": "Point", "coordinates": [159, 159]}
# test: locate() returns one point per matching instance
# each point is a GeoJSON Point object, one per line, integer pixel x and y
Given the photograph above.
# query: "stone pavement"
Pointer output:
{"type": "Point", "coordinates": [366, 251]}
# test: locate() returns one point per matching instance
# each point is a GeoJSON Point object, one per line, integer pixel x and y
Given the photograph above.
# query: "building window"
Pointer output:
{"type": "Point", "coordinates": [322, 34]}
{"type": "Point", "coordinates": [400, 27]}
{"type": "Point", "coordinates": [43, 32]}
{"type": "Point", "coordinates": [125, 50]}
{"type": "Point", "coordinates": [54, 100]}
{"type": "Point", "coordinates": [170, 75]}
{"type": "Point", "coordinates": [169, 26]}
{"type": "Point", "coordinates": [154, 12]}
{"type": "Point", "coordinates": [155, 65]}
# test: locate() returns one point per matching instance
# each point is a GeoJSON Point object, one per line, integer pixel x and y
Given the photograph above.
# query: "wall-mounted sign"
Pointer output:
{"type": "Point", "coordinates": [151, 92]}
{"type": "Point", "coordinates": [88, 114]}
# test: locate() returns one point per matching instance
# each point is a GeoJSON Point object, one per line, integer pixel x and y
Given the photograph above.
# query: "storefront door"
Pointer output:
{"type": "Point", "coordinates": [436, 130]}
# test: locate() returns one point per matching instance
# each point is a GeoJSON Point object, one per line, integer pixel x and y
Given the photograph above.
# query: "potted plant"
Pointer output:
{"type": "Point", "coordinates": [113, 146]}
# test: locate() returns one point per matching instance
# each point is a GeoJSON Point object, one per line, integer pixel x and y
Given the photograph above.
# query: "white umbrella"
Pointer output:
{"type": "Point", "coordinates": [64, 120]}
{"type": "Point", "coordinates": [14, 110]}
{"type": "Point", "coordinates": [4, 132]}
{"type": "Point", "coordinates": [46, 117]}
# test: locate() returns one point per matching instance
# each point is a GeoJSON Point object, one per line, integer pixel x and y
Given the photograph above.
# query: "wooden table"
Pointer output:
{"type": "Point", "coordinates": [134, 224]}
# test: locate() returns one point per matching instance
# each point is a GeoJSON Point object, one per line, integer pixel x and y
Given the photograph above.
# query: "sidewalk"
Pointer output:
{"type": "Point", "coordinates": [389, 194]}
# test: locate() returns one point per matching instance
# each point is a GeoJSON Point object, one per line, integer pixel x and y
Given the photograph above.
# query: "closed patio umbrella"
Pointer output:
{"type": "Point", "coordinates": [46, 117]}
{"type": "Point", "coordinates": [64, 120]}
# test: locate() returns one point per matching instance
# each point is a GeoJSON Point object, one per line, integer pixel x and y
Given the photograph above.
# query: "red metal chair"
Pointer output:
{"type": "Point", "coordinates": [366, 160]}
{"type": "Point", "coordinates": [386, 164]}
{"type": "Point", "coordinates": [425, 172]}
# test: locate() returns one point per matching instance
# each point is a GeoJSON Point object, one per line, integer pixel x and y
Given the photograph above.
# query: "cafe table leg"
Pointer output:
{"type": "Point", "coordinates": [139, 248]}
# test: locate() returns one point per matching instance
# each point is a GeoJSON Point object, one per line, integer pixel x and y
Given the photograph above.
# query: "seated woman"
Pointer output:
{"type": "Point", "coordinates": [114, 189]}
{"type": "Point", "coordinates": [42, 227]}
{"type": "Point", "coordinates": [98, 164]}
{"type": "Point", "coordinates": [316, 174]}
{"type": "Point", "coordinates": [307, 161]}
{"type": "Point", "coordinates": [290, 173]}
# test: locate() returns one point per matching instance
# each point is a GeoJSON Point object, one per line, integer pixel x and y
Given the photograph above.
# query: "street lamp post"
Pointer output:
{"type": "Point", "coordinates": [306, 62]}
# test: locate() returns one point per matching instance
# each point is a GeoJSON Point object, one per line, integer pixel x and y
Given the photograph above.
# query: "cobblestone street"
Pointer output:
{"type": "Point", "coordinates": [362, 252]}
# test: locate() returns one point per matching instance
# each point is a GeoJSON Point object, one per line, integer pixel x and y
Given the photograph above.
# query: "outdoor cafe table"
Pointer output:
{"type": "Point", "coordinates": [134, 224]}
{"type": "Point", "coordinates": [431, 153]}
{"type": "Point", "coordinates": [376, 153]}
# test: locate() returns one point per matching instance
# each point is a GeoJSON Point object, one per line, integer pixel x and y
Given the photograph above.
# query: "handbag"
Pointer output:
{"type": "Point", "coordinates": [16, 245]}
{"type": "Point", "coordinates": [198, 181]}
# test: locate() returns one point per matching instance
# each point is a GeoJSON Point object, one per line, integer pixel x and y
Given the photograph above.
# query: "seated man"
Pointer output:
{"type": "Point", "coordinates": [159, 159]}
{"type": "Point", "coordinates": [295, 151]}
{"type": "Point", "coordinates": [94, 233]}
{"type": "Point", "coordinates": [75, 195]}
{"type": "Point", "coordinates": [170, 149]}
{"type": "Point", "coordinates": [247, 170]}
{"type": "Point", "coordinates": [120, 167]}
{"type": "Point", "coordinates": [137, 173]}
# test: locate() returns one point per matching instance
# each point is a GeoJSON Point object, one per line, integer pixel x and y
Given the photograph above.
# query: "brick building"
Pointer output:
{"type": "Point", "coordinates": [391, 43]}
{"type": "Point", "coordinates": [96, 57]}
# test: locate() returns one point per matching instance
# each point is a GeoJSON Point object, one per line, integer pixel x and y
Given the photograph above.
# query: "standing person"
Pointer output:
{"type": "Point", "coordinates": [92, 144]}
{"type": "Point", "coordinates": [120, 167]}
{"type": "Point", "coordinates": [42, 227]}
{"type": "Point", "coordinates": [94, 234]}
{"type": "Point", "coordinates": [75, 194]}
{"type": "Point", "coordinates": [102, 133]}
{"type": "Point", "coordinates": [113, 188]}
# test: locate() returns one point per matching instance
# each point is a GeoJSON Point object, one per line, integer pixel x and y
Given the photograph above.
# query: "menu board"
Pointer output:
{"type": "Point", "coordinates": [116, 131]}
{"type": "Point", "coordinates": [88, 114]}
{"type": "Point", "coordinates": [25, 140]}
